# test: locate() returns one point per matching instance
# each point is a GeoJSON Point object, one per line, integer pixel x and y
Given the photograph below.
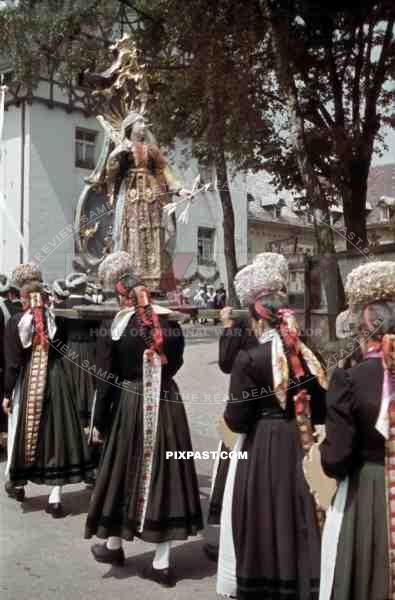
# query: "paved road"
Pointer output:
{"type": "Point", "coordinates": [41, 558]}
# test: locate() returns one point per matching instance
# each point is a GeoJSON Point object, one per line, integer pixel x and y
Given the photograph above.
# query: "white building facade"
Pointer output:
{"type": "Point", "coordinates": [41, 177]}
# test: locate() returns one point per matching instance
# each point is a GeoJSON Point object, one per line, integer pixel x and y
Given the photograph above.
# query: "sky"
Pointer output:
{"type": "Point", "coordinates": [389, 155]}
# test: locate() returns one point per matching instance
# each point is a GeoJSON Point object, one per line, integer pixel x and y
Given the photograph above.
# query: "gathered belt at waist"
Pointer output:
{"type": "Point", "coordinates": [272, 413]}
{"type": "Point", "coordinates": [139, 379]}
{"type": "Point", "coordinates": [373, 458]}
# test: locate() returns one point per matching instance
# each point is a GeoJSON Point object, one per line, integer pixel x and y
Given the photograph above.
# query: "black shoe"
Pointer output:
{"type": "Point", "coordinates": [17, 493]}
{"type": "Point", "coordinates": [55, 509]}
{"type": "Point", "coordinates": [164, 577]}
{"type": "Point", "coordinates": [112, 557]}
{"type": "Point", "coordinates": [211, 551]}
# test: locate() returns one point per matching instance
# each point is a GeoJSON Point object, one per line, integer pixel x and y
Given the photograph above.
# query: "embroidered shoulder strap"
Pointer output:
{"type": "Point", "coordinates": [37, 377]}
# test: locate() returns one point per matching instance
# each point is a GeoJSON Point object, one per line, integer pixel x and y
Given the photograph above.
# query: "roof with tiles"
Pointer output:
{"type": "Point", "coordinates": [263, 198]}
{"type": "Point", "coordinates": [381, 183]}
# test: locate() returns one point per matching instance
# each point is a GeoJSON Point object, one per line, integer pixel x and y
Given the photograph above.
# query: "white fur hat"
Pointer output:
{"type": "Point", "coordinates": [371, 282]}
{"type": "Point", "coordinates": [26, 272]}
{"type": "Point", "coordinates": [113, 267]}
{"type": "Point", "coordinates": [267, 274]}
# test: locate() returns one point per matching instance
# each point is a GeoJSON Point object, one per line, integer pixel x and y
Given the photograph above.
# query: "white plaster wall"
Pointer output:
{"type": "Point", "coordinates": [10, 178]}
{"type": "Point", "coordinates": [206, 211]}
{"type": "Point", "coordinates": [55, 184]}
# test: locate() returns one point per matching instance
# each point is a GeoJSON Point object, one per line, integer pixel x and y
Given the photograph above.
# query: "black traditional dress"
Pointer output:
{"type": "Point", "coordinates": [354, 453]}
{"type": "Point", "coordinates": [173, 510]}
{"type": "Point", "coordinates": [3, 416]}
{"type": "Point", "coordinates": [49, 445]}
{"type": "Point", "coordinates": [233, 339]}
{"type": "Point", "coordinates": [7, 309]}
{"type": "Point", "coordinates": [80, 338]}
{"type": "Point", "coordinates": [271, 549]}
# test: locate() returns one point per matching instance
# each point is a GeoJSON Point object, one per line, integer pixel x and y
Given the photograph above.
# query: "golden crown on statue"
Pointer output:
{"type": "Point", "coordinates": [123, 87]}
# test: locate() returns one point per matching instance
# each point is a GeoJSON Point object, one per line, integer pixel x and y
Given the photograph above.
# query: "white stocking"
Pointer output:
{"type": "Point", "coordinates": [55, 495]}
{"type": "Point", "coordinates": [162, 556]}
{"type": "Point", "coordinates": [114, 543]}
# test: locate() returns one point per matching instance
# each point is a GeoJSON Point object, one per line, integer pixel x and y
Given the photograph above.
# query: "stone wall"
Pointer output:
{"type": "Point", "coordinates": [315, 311]}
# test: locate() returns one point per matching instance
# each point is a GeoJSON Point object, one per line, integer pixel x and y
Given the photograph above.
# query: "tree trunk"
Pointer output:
{"type": "Point", "coordinates": [354, 204]}
{"type": "Point", "coordinates": [228, 226]}
{"type": "Point", "coordinates": [216, 144]}
{"type": "Point", "coordinates": [331, 278]}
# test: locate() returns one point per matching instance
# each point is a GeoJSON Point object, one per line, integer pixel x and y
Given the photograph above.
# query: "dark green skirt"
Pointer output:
{"type": "Point", "coordinates": [62, 455]}
{"type": "Point", "coordinates": [362, 563]}
{"type": "Point", "coordinates": [173, 511]}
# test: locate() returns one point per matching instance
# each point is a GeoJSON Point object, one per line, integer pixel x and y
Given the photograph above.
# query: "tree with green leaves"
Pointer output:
{"type": "Point", "coordinates": [210, 75]}
{"type": "Point", "coordinates": [335, 68]}
{"type": "Point", "coordinates": [55, 40]}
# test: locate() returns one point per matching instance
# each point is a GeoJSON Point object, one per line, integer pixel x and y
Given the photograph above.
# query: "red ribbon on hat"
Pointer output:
{"type": "Point", "coordinates": [140, 298]}
{"type": "Point", "coordinates": [150, 319]}
{"type": "Point", "coordinates": [35, 302]}
{"type": "Point", "coordinates": [289, 331]}
{"type": "Point", "coordinates": [290, 334]}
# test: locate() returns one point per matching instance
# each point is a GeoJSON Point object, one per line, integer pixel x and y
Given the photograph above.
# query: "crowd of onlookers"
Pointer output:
{"type": "Point", "coordinates": [208, 297]}
{"type": "Point", "coordinates": [205, 296]}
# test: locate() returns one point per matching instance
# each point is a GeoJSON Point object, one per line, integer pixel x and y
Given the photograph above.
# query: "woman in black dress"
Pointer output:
{"type": "Point", "coordinates": [9, 305]}
{"type": "Point", "coordinates": [81, 342]}
{"type": "Point", "coordinates": [357, 559]}
{"type": "Point", "coordinates": [270, 539]}
{"type": "Point", "coordinates": [236, 335]}
{"type": "Point", "coordinates": [140, 491]}
{"type": "Point", "coordinates": [49, 445]}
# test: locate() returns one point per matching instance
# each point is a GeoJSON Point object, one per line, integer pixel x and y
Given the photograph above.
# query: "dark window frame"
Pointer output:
{"type": "Point", "coordinates": [84, 139]}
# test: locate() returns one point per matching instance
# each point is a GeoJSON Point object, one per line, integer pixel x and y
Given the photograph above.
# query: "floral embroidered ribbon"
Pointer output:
{"type": "Point", "coordinates": [152, 371]}
{"type": "Point", "coordinates": [36, 387]}
{"type": "Point", "coordinates": [306, 434]}
{"type": "Point", "coordinates": [34, 333]}
{"type": "Point", "coordinates": [280, 368]}
{"type": "Point", "coordinates": [138, 299]}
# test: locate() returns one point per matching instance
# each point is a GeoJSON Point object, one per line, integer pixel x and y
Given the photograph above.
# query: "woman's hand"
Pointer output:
{"type": "Point", "coordinates": [226, 316]}
{"type": "Point", "coordinates": [7, 407]}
